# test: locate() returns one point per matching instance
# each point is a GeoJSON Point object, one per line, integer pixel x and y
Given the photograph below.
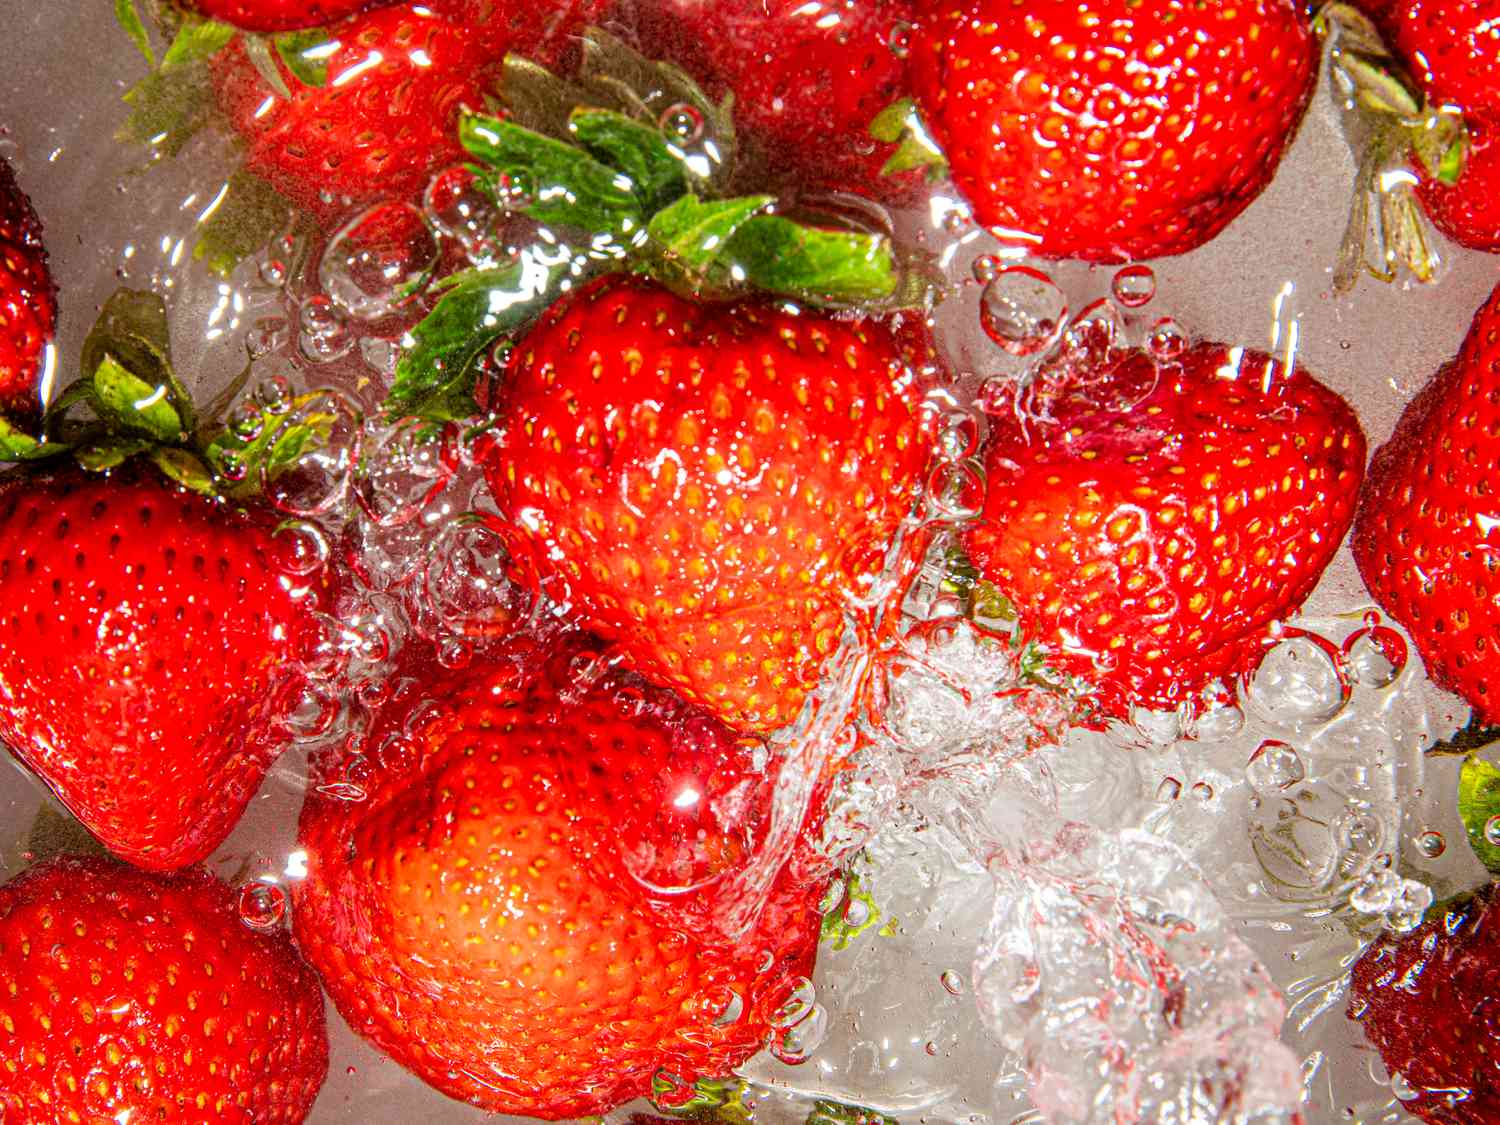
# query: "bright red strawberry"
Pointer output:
{"type": "Point", "coordinates": [1425, 531]}
{"type": "Point", "coordinates": [1429, 1002]}
{"type": "Point", "coordinates": [1449, 48]}
{"type": "Point", "coordinates": [133, 997]}
{"type": "Point", "coordinates": [279, 15]}
{"type": "Point", "coordinates": [807, 78]}
{"type": "Point", "coordinates": [1113, 129]}
{"type": "Point", "coordinates": [708, 486]}
{"type": "Point", "coordinates": [501, 909]}
{"type": "Point", "coordinates": [149, 649]}
{"type": "Point", "coordinates": [1468, 211]}
{"type": "Point", "coordinates": [28, 303]}
{"type": "Point", "coordinates": [1149, 519]}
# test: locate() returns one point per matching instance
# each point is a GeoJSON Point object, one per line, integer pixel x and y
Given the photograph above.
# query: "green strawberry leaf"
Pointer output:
{"type": "Point", "coordinates": [826, 1112]}
{"type": "Point", "coordinates": [167, 108]}
{"type": "Point", "coordinates": [900, 123]}
{"type": "Point", "coordinates": [306, 54]}
{"type": "Point", "coordinates": [562, 184]}
{"type": "Point", "coordinates": [107, 454]}
{"type": "Point", "coordinates": [1478, 807]}
{"type": "Point", "coordinates": [183, 467]}
{"type": "Point", "coordinates": [435, 376]}
{"type": "Point", "coordinates": [132, 331]}
{"type": "Point", "coordinates": [196, 39]}
{"type": "Point", "coordinates": [274, 442]}
{"type": "Point", "coordinates": [129, 18]}
{"type": "Point", "coordinates": [694, 235]}
{"type": "Point", "coordinates": [263, 58]}
{"type": "Point", "coordinates": [245, 215]}
{"type": "Point", "coordinates": [18, 446]}
{"type": "Point", "coordinates": [132, 404]}
{"type": "Point", "coordinates": [1441, 143]}
{"type": "Point", "coordinates": [718, 1100]}
{"type": "Point", "coordinates": [783, 256]}
{"type": "Point", "coordinates": [641, 152]}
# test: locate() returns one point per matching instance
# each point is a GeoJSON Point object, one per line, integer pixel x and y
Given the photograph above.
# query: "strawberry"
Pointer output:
{"type": "Point", "coordinates": [1468, 210]}
{"type": "Point", "coordinates": [28, 303]}
{"type": "Point", "coordinates": [1148, 519]}
{"type": "Point", "coordinates": [1427, 1002]}
{"type": "Point", "coordinates": [501, 909]}
{"type": "Point", "coordinates": [1422, 536]}
{"type": "Point", "coordinates": [133, 997]}
{"type": "Point", "coordinates": [278, 15]}
{"type": "Point", "coordinates": [149, 647]}
{"type": "Point", "coordinates": [708, 486]}
{"type": "Point", "coordinates": [1113, 129]}
{"type": "Point", "coordinates": [807, 78]}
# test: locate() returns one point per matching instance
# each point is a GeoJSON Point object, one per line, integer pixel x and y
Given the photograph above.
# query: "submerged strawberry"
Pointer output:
{"type": "Point", "coordinates": [1427, 1002]}
{"type": "Point", "coordinates": [501, 909]}
{"type": "Point", "coordinates": [1424, 535]}
{"type": "Point", "coordinates": [1113, 129]}
{"type": "Point", "coordinates": [28, 303]}
{"type": "Point", "coordinates": [708, 485]}
{"type": "Point", "coordinates": [132, 997]}
{"type": "Point", "coordinates": [279, 15]}
{"type": "Point", "coordinates": [1149, 519]}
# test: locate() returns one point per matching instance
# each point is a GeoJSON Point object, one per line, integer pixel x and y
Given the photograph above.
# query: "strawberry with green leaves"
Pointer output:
{"type": "Point", "coordinates": [1112, 129]}
{"type": "Point", "coordinates": [1424, 539]}
{"type": "Point", "coordinates": [508, 909]}
{"type": "Point", "coordinates": [155, 625]}
{"type": "Point", "coordinates": [126, 996]}
{"type": "Point", "coordinates": [1148, 518]}
{"type": "Point", "coordinates": [28, 305]}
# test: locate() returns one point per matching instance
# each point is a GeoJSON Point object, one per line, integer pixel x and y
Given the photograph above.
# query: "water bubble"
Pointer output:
{"type": "Point", "coordinates": [800, 999]}
{"type": "Point", "coordinates": [273, 395]}
{"type": "Point", "coordinates": [406, 469]}
{"type": "Point", "coordinates": [1360, 833]}
{"type": "Point", "coordinates": [1169, 790]}
{"type": "Point", "coordinates": [1219, 723]}
{"type": "Point", "coordinates": [1301, 680]}
{"type": "Point", "coordinates": [797, 1043]}
{"type": "Point", "coordinates": [1023, 310]}
{"type": "Point", "coordinates": [931, 1048]}
{"type": "Point", "coordinates": [856, 913]}
{"type": "Point", "coordinates": [1275, 766]}
{"type": "Point", "coordinates": [1401, 1088]}
{"type": "Point", "coordinates": [956, 489]}
{"type": "Point", "coordinates": [956, 220]}
{"type": "Point", "coordinates": [1431, 843]}
{"type": "Point", "coordinates": [246, 420]}
{"type": "Point", "coordinates": [262, 906]}
{"type": "Point", "coordinates": [459, 207]}
{"type": "Point", "coordinates": [380, 260]}
{"type": "Point", "coordinates": [1088, 340]}
{"type": "Point", "coordinates": [1376, 892]}
{"type": "Point", "coordinates": [323, 334]}
{"type": "Point", "coordinates": [1134, 286]}
{"type": "Point", "coordinates": [952, 982]}
{"type": "Point", "coordinates": [315, 715]}
{"type": "Point", "coordinates": [1375, 655]}
{"type": "Point", "coordinates": [986, 267]}
{"type": "Point", "coordinates": [514, 190]}
{"type": "Point", "coordinates": [381, 354]}
{"type": "Point", "coordinates": [319, 478]}
{"type": "Point", "coordinates": [899, 39]}
{"type": "Point", "coordinates": [959, 437]}
{"type": "Point", "coordinates": [267, 335]}
{"type": "Point", "coordinates": [274, 271]}
{"type": "Point", "coordinates": [730, 1006]}
{"type": "Point", "coordinates": [467, 585]}
{"type": "Point", "coordinates": [301, 548]}
{"type": "Point", "coordinates": [1167, 340]}
{"type": "Point", "coordinates": [1492, 831]}
{"type": "Point", "coordinates": [681, 124]}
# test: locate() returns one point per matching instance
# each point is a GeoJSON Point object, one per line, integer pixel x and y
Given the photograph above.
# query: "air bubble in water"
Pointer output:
{"type": "Point", "coordinates": [459, 207]}
{"type": "Point", "coordinates": [956, 489]}
{"type": "Point", "coordinates": [952, 982]}
{"type": "Point", "coordinates": [800, 998]}
{"type": "Point", "coordinates": [379, 261]}
{"type": "Point", "coordinates": [1134, 286]}
{"type": "Point", "coordinates": [1275, 766]}
{"type": "Point", "coordinates": [382, 355]}
{"type": "Point", "coordinates": [274, 395]}
{"type": "Point", "coordinates": [514, 191]}
{"type": "Point", "coordinates": [324, 335]}
{"type": "Point", "coordinates": [1492, 831]}
{"type": "Point", "coordinates": [267, 335]}
{"type": "Point", "coordinates": [262, 906]}
{"type": "Point", "coordinates": [467, 586]}
{"type": "Point", "coordinates": [1376, 654]}
{"type": "Point", "coordinates": [985, 268]}
{"type": "Point", "coordinates": [899, 39]}
{"type": "Point", "coordinates": [1169, 790]}
{"type": "Point", "coordinates": [796, 1043]}
{"type": "Point", "coordinates": [1301, 680]}
{"type": "Point", "coordinates": [1167, 340]}
{"type": "Point", "coordinates": [319, 479]}
{"type": "Point", "coordinates": [301, 548]}
{"type": "Point", "coordinates": [1023, 310]}
{"type": "Point", "coordinates": [959, 437]}
{"type": "Point", "coordinates": [730, 1006]}
{"type": "Point", "coordinates": [681, 124]}
{"type": "Point", "coordinates": [1431, 843]}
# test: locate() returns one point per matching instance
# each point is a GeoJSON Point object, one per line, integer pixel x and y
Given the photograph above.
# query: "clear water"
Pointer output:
{"type": "Point", "coordinates": [1307, 809]}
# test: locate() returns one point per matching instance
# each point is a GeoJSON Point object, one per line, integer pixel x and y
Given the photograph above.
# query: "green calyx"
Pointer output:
{"type": "Point", "coordinates": [625, 167]}
{"type": "Point", "coordinates": [1479, 809]}
{"type": "Point", "coordinates": [1396, 122]}
{"type": "Point", "coordinates": [720, 1100]}
{"type": "Point", "coordinates": [137, 406]}
{"type": "Point", "coordinates": [900, 124]}
{"type": "Point", "coordinates": [853, 914]}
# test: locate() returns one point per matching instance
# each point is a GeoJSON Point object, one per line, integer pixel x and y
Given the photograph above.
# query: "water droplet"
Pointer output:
{"type": "Point", "coordinates": [514, 191]}
{"type": "Point", "coordinates": [856, 912]}
{"type": "Point", "coordinates": [301, 548]}
{"type": "Point", "coordinates": [957, 220]}
{"type": "Point", "coordinates": [986, 267]}
{"type": "Point", "coordinates": [467, 584]}
{"type": "Point", "coordinates": [1300, 681]}
{"type": "Point", "coordinates": [797, 1043]}
{"type": "Point", "coordinates": [459, 207]}
{"type": "Point", "coordinates": [323, 334]}
{"type": "Point", "coordinates": [1360, 833]}
{"type": "Point", "coordinates": [1169, 790]}
{"type": "Point", "coordinates": [1492, 831]}
{"type": "Point", "coordinates": [931, 1048]}
{"type": "Point", "coordinates": [899, 39]}
{"type": "Point", "coordinates": [273, 395]}
{"type": "Point", "coordinates": [681, 124]}
{"type": "Point", "coordinates": [1375, 655]}
{"type": "Point", "coordinates": [267, 335]}
{"type": "Point", "coordinates": [730, 1006]}
{"type": "Point", "coordinates": [1167, 340]}
{"type": "Point", "coordinates": [1431, 843]}
{"type": "Point", "coordinates": [799, 1001]}
{"type": "Point", "coordinates": [1403, 1089]}
{"type": "Point", "coordinates": [382, 355]}
{"type": "Point", "coordinates": [1203, 791]}
{"type": "Point", "coordinates": [959, 437]}
{"type": "Point", "coordinates": [956, 489]}
{"type": "Point", "coordinates": [274, 271]}
{"type": "Point", "coordinates": [1376, 892]}
{"type": "Point", "coordinates": [262, 906]}
{"type": "Point", "coordinates": [379, 261]}
{"type": "Point", "coordinates": [1022, 310]}
{"type": "Point", "coordinates": [952, 982]}
{"type": "Point", "coordinates": [1134, 286]}
{"type": "Point", "coordinates": [319, 479]}
{"type": "Point", "coordinates": [1275, 766]}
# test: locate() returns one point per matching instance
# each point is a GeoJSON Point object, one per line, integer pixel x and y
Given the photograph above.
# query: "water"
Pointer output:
{"type": "Point", "coordinates": [1302, 802]}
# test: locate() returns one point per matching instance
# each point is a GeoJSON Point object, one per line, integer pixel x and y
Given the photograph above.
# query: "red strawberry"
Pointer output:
{"type": "Point", "coordinates": [708, 486]}
{"type": "Point", "coordinates": [385, 119]}
{"type": "Point", "coordinates": [134, 997]}
{"type": "Point", "coordinates": [28, 303]}
{"type": "Point", "coordinates": [279, 15]}
{"type": "Point", "coordinates": [1150, 519]}
{"type": "Point", "coordinates": [1424, 535]}
{"type": "Point", "coordinates": [484, 912]}
{"type": "Point", "coordinates": [1113, 129]}
{"type": "Point", "coordinates": [149, 649]}
{"type": "Point", "coordinates": [807, 78]}
{"type": "Point", "coordinates": [1468, 211]}
{"type": "Point", "coordinates": [1429, 1001]}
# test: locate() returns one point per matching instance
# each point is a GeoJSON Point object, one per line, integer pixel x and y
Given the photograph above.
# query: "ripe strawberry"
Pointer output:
{"type": "Point", "coordinates": [28, 303]}
{"type": "Point", "coordinates": [708, 486]}
{"type": "Point", "coordinates": [485, 912]}
{"type": "Point", "coordinates": [1422, 535]}
{"type": "Point", "coordinates": [1149, 519]}
{"type": "Point", "coordinates": [807, 79]}
{"type": "Point", "coordinates": [133, 997]}
{"type": "Point", "coordinates": [1427, 1000]}
{"type": "Point", "coordinates": [1113, 129]}
{"type": "Point", "coordinates": [279, 15]}
{"type": "Point", "coordinates": [149, 649]}
{"type": "Point", "coordinates": [1468, 211]}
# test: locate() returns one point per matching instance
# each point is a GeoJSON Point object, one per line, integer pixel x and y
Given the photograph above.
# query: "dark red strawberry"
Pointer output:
{"type": "Point", "coordinates": [1423, 537]}
{"type": "Point", "coordinates": [149, 649]}
{"type": "Point", "coordinates": [278, 15]}
{"type": "Point", "coordinates": [1429, 1002]}
{"type": "Point", "coordinates": [1113, 129]}
{"type": "Point", "coordinates": [501, 908]}
{"type": "Point", "coordinates": [708, 486]}
{"type": "Point", "coordinates": [133, 997]}
{"type": "Point", "coordinates": [28, 304]}
{"type": "Point", "coordinates": [1150, 518]}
